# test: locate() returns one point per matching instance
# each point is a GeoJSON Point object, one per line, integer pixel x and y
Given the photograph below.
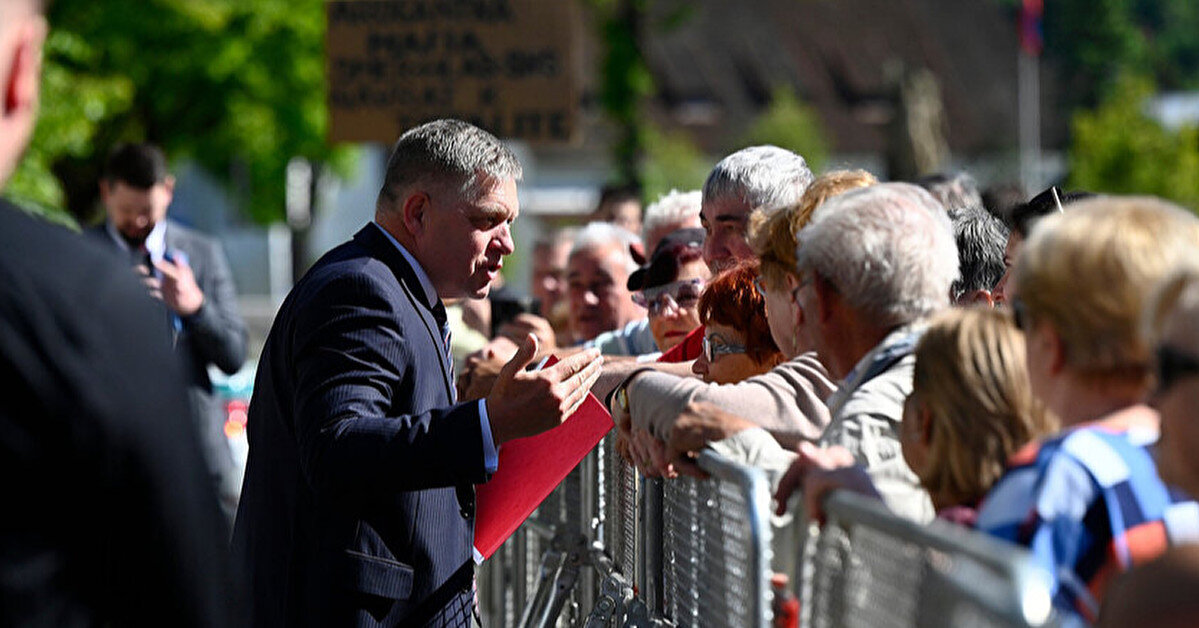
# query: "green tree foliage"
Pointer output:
{"type": "Point", "coordinates": [237, 87]}
{"type": "Point", "coordinates": [1093, 42]}
{"type": "Point", "coordinates": [789, 123]}
{"type": "Point", "coordinates": [1118, 149]}
{"type": "Point", "coordinates": [672, 161]}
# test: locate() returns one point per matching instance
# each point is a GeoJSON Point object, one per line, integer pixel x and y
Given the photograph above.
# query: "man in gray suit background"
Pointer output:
{"type": "Point", "coordinates": [188, 273]}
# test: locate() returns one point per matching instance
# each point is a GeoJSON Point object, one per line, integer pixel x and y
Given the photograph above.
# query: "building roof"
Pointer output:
{"type": "Point", "coordinates": [716, 69]}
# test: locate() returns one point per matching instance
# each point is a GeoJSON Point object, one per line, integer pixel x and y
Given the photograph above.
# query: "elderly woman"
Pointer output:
{"type": "Point", "coordinates": [737, 340]}
{"type": "Point", "coordinates": [1088, 501]}
{"type": "Point", "coordinates": [669, 287]}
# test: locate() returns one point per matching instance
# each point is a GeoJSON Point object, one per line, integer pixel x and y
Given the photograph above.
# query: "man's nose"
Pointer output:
{"type": "Point", "coordinates": [505, 242]}
{"type": "Point", "coordinates": [591, 298]}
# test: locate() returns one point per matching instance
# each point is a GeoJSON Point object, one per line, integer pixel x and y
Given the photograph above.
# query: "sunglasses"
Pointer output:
{"type": "Point", "coordinates": [1172, 365]}
{"type": "Point", "coordinates": [676, 296]}
{"type": "Point", "coordinates": [714, 346]}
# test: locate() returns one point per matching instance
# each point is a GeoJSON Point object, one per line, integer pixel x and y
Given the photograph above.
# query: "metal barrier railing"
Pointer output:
{"type": "Point", "coordinates": [611, 548]}
{"type": "Point", "coordinates": [716, 546]}
{"type": "Point", "coordinates": [868, 567]}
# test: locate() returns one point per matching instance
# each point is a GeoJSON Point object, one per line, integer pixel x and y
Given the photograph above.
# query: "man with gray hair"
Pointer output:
{"type": "Point", "coordinates": [358, 506]}
{"type": "Point", "coordinates": [602, 311]}
{"type": "Point", "coordinates": [873, 264]}
{"type": "Point", "coordinates": [981, 239]}
{"type": "Point", "coordinates": [673, 211]}
{"type": "Point", "coordinates": [758, 177]}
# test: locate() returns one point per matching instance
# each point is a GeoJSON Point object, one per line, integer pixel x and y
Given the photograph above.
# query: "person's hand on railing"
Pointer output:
{"type": "Point", "coordinates": [698, 425]}
{"type": "Point", "coordinates": [820, 471]}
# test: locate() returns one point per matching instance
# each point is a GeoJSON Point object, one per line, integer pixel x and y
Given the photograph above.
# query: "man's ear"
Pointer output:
{"type": "Point", "coordinates": [168, 183]}
{"type": "Point", "coordinates": [23, 76]}
{"type": "Point", "coordinates": [415, 211]}
{"type": "Point", "coordinates": [826, 296]}
{"type": "Point", "coordinates": [1056, 346]}
{"type": "Point", "coordinates": [1050, 344]}
{"type": "Point", "coordinates": [979, 297]}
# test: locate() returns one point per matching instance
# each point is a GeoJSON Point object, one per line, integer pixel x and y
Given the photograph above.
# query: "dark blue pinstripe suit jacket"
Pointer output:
{"type": "Point", "coordinates": [358, 502]}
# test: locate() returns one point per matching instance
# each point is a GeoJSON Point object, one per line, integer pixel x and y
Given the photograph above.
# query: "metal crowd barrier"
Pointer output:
{"type": "Point", "coordinates": [716, 547]}
{"type": "Point", "coordinates": [868, 567]}
{"type": "Point", "coordinates": [612, 548]}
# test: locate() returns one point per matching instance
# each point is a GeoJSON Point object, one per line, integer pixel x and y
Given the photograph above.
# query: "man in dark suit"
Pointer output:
{"type": "Point", "coordinates": [188, 273]}
{"type": "Point", "coordinates": [109, 518]}
{"type": "Point", "coordinates": [358, 504]}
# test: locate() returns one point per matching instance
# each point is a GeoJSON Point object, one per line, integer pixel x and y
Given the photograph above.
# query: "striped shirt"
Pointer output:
{"type": "Point", "coordinates": [1089, 504]}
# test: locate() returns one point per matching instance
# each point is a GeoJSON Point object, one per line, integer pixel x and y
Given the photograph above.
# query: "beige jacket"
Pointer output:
{"type": "Point", "coordinates": [789, 400]}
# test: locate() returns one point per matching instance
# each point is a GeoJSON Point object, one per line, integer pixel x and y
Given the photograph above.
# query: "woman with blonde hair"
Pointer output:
{"type": "Point", "coordinates": [971, 408]}
{"type": "Point", "coordinates": [1088, 502]}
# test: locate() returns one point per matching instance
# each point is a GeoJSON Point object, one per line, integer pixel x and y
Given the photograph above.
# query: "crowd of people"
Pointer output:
{"type": "Point", "coordinates": [1006, 369]}
{"type": "Point", "coordinates": [1028, 371]}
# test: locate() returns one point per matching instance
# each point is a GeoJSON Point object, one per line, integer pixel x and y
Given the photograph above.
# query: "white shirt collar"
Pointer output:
{"type": "Point", "coordinates": [425, 283]}
{"type": "Point", "coordinates": [156, 242]}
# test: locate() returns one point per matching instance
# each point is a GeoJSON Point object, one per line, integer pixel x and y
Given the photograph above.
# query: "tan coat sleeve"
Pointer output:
{"type": "Point", "coordinates": [788, 401]}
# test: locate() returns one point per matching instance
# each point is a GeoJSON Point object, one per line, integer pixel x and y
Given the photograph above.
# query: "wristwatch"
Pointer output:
{"type": "Point", "coordinates": [620, 395]}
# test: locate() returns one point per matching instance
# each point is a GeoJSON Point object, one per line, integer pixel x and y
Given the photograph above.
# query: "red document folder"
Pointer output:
{"type": "Point", "coordinates": [529, 470]}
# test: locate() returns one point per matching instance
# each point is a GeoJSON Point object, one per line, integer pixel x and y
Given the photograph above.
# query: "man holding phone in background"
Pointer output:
{"type": "Point", "coordinates": [189, 274]}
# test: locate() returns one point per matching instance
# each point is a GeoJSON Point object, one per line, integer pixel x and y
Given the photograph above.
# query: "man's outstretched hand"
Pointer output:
{"type": "Point", "coordinates": [524, 403]}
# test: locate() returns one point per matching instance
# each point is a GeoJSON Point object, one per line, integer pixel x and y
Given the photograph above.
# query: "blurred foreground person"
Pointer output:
{"type": "Point", "coordinates": [971, 408]}
{"type": "Point", "coordinates": [1088, 502]}
{"type": "Point", "coordinates": [1171, 327]}
{"type": "Point", "coordinates": [359, 503]}
{"type": "Point", "coordinates": [110, 518]}
{"type": "Point", "coordinates": [1160, 594]}
{"type": "Point", "coordinates": [188, 273]}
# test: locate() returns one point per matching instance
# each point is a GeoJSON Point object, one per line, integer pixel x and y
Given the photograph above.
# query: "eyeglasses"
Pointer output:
{"type": "Point", "coordinates": [804, 280]}
{"type": "Point", "coordinates": [1172, 365]}
{"type": "Point", "coordinates": [675, 296]}
{"type": "Point", "coordinates": [715, 346]}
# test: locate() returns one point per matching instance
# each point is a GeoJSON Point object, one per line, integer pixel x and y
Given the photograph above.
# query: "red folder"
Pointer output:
{"type": "Point", "coordinates": [530, 469]}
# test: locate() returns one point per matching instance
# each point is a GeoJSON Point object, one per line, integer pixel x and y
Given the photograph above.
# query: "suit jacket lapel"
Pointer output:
{"type": "Point", "coordinates": [380, 248]}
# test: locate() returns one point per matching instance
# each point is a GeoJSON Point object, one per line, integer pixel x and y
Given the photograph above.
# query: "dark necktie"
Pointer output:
{"type": "Point", "coordinates": [439, 314]}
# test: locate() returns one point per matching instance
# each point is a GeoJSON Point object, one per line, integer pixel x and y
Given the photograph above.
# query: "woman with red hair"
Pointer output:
{"type": "Point", "coordinates": [737, 340]}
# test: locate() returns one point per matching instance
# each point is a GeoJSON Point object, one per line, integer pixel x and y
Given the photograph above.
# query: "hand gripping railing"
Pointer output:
{"type": "Point", "coordinates": [869, 567]}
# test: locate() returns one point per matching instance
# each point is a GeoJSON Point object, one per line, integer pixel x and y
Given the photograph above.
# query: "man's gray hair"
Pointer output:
{"type": "Point", "coordinates": [598, 234]}
{"type": "Point", "coordinates": [765, 177]}
{"type": "Point", "coordinates": [981, 239]}
{"type": "Point", "coordinates": [672, 207]}
{"type": "Point", "coordinates": [449, 151]}
{"type": "Point", "coordinates": [887, 249]}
